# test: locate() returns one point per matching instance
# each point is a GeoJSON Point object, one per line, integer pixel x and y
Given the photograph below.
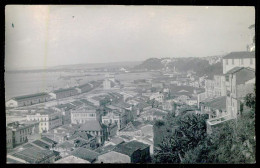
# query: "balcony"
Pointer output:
{"type": "Point", "coordinates": [215, 122]}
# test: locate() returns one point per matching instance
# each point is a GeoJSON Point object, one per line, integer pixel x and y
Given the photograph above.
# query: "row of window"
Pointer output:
{"type": "Point", "coordinates": [9, 140]}
{"type": "Point", "coordinates": [22, 139]}
{"type": "Point", "coordinates": [242, 61]}
{"type": "Point", "coordinates": [24, 131]}
{"type": "Point", "coordinates": [84, 115]}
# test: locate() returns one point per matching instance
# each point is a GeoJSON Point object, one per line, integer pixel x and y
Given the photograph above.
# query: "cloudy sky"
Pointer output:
{"type": "Point", "coordinates": [43, 36]}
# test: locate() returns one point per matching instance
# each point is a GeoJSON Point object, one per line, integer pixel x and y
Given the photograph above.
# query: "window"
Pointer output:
{"type": "Point", "coordinates": [226, 61]}
{"type": "Point", "coordinates": [232, 61]}
{"type": "Point", "coordinates": [251, 61]}
{"type": "Point", "coordinates": [227, 78]}
{"type": "Point", "coordinates": [242, 61]}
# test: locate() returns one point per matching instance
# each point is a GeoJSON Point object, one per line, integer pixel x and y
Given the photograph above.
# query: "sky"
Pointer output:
{"type": "Point", "coordinates": [39, 36]}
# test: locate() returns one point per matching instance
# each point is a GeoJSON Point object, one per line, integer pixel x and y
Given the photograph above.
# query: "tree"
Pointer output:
{"type": "Point", "coordinates": [250, 100]}
{"type": "Point", "coordinates": [190, 130]}
{"type": "Point", "coordinates": [252, 27]}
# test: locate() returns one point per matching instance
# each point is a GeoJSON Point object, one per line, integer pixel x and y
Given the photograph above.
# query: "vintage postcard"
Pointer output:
{"type": "Point", "coordinates": [130, 84]}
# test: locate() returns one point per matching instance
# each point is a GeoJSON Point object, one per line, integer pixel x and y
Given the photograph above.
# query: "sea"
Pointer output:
{"type": "Point", "coordinates": [29, 82]}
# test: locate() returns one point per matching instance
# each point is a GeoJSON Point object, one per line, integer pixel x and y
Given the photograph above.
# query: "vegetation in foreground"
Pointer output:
{"type": "Point", "coordinates": [185, 139]}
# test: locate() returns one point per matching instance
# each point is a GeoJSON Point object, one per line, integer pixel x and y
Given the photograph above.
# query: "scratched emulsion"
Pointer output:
{"type": "Point", "coordinates": [43, 88]}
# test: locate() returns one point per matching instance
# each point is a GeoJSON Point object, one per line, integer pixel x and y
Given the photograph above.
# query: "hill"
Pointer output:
{"type": "Point", "coordinates": [198, 65]}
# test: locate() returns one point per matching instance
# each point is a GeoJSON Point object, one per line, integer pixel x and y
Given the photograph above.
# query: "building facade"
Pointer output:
{"type": "Point", "coordinates": [239, 81]}
{"type": "Point", "coordinates": [21, 132]}
{"type": "Point", "coordinates": [238, 59]}
{"type": "Point", "coordinates": [9, 138]}
{"type": "Point", "coordinates": [63, 93]}
{"type": "Point", "coordinates": [48, 119]}
{"type": "Point", "coordinates": [157, 96]}
{"type": "Point", "coordinates": [82, 115]}
{"type": "Point", "coordinates": [28, 100]}
{"type": "Point", "coordinates": [114, 118]}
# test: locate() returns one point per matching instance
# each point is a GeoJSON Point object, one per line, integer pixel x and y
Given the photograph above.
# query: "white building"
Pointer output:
{"type": "Point", "coordinates": [238, 59]}
{"type": "Point", "coordinates": [239, 82]}
{"type": "Point", "coordinates": [157, 96]}
{"type": "Point", "coordinates": [114, 118]}
{"type": "Point", "coordinates": [82, 115]}
{"type": "Point", "coordinates": [48, 119]}
{"type": "Point", "coordinates": [215, 87]}
{"type": "Point", "coordinates": [28, 100]}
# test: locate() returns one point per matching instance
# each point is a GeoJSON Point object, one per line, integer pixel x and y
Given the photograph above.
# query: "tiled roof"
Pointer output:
{"type": "Point", "coordinates": [82, 135]}
{"type": "Point", "coordinates": [105, 149]}
{"type": "Point", "coordinates": [41, 144]}
{"type": "Point", "coordinates": [65, 144]}
{"type": "Point", "coordinates": [66, 106]}
{"type": "Point", "coordinates": [155, 111]}
{"type": "Point", "coordinates": [86, 109]}
{"type": "Point", "coordinates": [85, 85]}
{"type": "Point", "coordinates": [217, 103]}
{"type": "Point", "coordinates": [239, 55]}
{"type": "Point", "coordinates": [9, 160]}
{"type": "Point", "coordinates": [113, 157]}
{"type": "Point", "coordinates": [85, 154]}
{"type": "Point", "coordinates": [90, 126]}
{"type": "Point", "coordinates": [86, 102]}
{"type": "Point", "coordinates": [30, 96]}
{"type": "Point", "coordinates": [126, 137]}
{"type": "Point", "coordinates": [117, 140]}
{"type": "Point", "coordinates": [71, 159]}
{"type": "Point", "coordinates": [122, 105]}
{"type": "Point", "coordinates": [129, 128]}
{"type": "Point", "coordinates": [49, 140]}
{"type": "Point", "coordinates": [234, 70]}
{"type": "Point", "coordinates": [33, 154]}
{"type": "Point", "coordinates": [243, 74]}
{"type": "Point", "coordinates": [130, 147]}
{"type": "Point", "coordinates": [77, 103]}
{"type": "Point", "coordinates": [64, 90]}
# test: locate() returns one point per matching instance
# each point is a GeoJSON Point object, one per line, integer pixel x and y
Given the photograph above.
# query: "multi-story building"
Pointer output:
{"type": "Point", "coordinates": [107, 84]}
{"type": "Point", "coordinates": [153, 114]}
{"type": "Point", "coordinates": [215, 107]}
{"type": "Point", "coordinates": [28, 100]}
{"type": "Point", "coordinates": [219, 86]}
{"type": "Point", "coordinates": [9, 138]}
{"type": "Point", "coordinates": [113, 117]}
{"type": "Point", "coordinates": [109, 81]}
{"type": "Point", "coordinates": [238, 59]}
{"type": "Point", "coordinates": [83, 114]}
{"type": "Point", "coordinates": [48, 119]}
{"type": "Point", "coordinates": [95, 129]}
{"type": "Point", "coordinates": [209, 88]}
{"type": "Point", "coordinates": [157, 96]}
{"type": "Point", "coordinates": [21, 132]}
{"type": "Point", "coordinates": [215, 87]}
{"type": "Point", "coordinates": [63, 93]}
{"type": "Point", "coordinates": [84, 88]}
{"type": "Point", "coordinates": [239, 82]}
{"type": "Point", "coordinates": [32, 154]}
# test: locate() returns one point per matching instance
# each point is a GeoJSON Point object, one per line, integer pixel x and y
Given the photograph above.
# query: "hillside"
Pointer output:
{"type": "Point", "coordinates": [198, 65]}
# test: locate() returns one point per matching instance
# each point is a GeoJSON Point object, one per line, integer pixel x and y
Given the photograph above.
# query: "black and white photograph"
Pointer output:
{"type": "Point", "coordinates": [97, 84]}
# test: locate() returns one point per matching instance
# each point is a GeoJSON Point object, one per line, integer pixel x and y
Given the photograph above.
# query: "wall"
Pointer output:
{"type": "Point", "coordinates": [9, 139]}
{"type": "Point", "coordinates": [237, 63]}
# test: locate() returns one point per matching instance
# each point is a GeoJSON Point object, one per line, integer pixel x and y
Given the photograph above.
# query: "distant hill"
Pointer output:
{"type": "Point", "coordinates": [99, 65]}
{"type": "Point", "coordinates": [150, 64]}
{"type": "Point", "coordinates": [79, 67]}
{"type": "Point", "coordinates": [198, 65]}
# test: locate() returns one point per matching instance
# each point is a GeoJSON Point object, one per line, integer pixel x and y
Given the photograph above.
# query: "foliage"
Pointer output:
{"type": "Point", "coordinates": [190, 130]}
{"type": "Point", "coordinates": [250, 100]}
